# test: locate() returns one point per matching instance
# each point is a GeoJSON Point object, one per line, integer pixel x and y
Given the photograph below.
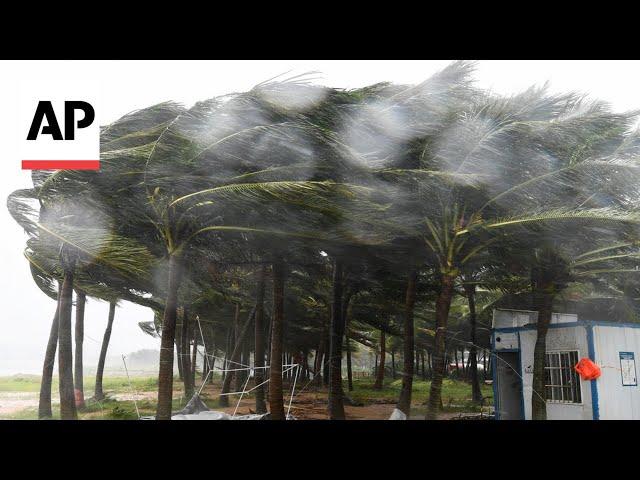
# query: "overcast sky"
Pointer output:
{"type": "Point", "coordinates": [26, 312]}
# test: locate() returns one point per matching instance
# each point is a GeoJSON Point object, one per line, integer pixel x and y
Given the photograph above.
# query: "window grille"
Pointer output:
{"type": "Point", "coordinates": [562, 383]}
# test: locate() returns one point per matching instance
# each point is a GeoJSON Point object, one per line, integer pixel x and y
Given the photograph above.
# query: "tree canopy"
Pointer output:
{"type": "Point", "coordinates": [390, 200]}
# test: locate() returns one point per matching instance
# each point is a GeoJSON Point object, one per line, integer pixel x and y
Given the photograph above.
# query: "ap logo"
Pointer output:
{"type": "Point", "coordinates": [58, 125]}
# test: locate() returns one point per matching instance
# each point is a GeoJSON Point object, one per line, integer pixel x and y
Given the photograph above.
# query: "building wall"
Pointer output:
{"type": "Point", "coordinates": [571, 337]}
{"type": "Point", "coordinates": [520, 318]}
{"type": "Point", "coordinates": [616, 401]}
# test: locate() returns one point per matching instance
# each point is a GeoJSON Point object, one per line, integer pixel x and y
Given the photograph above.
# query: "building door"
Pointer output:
{"type": "Point", "coordinates": [509, 386]}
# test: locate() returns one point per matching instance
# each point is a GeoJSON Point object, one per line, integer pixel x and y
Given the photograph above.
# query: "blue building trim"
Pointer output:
{"type": "Point", "coordinates": [494, 374]}
{"type": "Point", "coordinates": [532, 326]}
{"type": "Point", "coordinates": [594, 385]}
{"type": "Point", "coordinates": [585, 323]}
{"type": "Point", "coordinates": [603, 323]}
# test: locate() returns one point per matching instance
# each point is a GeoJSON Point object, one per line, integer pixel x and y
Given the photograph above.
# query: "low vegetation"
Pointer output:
{"type": "Point", "coordinates": [118, 406]}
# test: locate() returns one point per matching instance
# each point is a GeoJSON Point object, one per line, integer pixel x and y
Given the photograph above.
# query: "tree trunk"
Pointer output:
{"type": "Point", "coordinates": [187, 379]}
{"type": "Point", "coordinates": [462, 367]}
{"type": "Point", "coordinates": [234, 342]}
{"type": "Point", "coordinates": [78, 371]}
{"type": "Point", "coordinates": [180, 359]}
{"type": "Point", "coordinates": [242, 359]}
{"type": "Point", "coordinates": [443, 303]}
{"type": "Point", "coordinates": [99, 394]}
{"type": "Point", "coordinates": [375, 365]}
{"type": "Point", "coordinates": [393, 364]}
{"type": "Point", "coordinates": [269, 336]}
{"type": "Point", "coordinates": [44, 406]}
{"type": "Point", "coordinates": [315, 364]}
{"type": "Point", "coordinates": [380, 373]}
{"type": "Point", "coordinates": [246, 360]}
{"type": "Point", "coordinates": [325, 363]}
{"type": "Point", "coordinates": [465, 364]}
{"type": "Point", "coordinates": [227, 349]}
{"type": "Point", "coordinates": [484, 365]}
{"type": "Point", "coordinates": [345, 320]}
{"type": "Point", "coordinates": [320, 353]}
{"type": "Point", "coordinates": [336, 404]}
{"type": "Point", "coordinates": [165, 373]}
{"type": "Point", "coordinates": [476, 393]}
{"type": "Point", "coordinates": [276, 400]}
{"type": "Point", "coordinates": [259, 376]}
{"type": "Point", "coordinates": [194, 354]}
{"type": "Point", "coordinates": [65, 351]}
{"type": "Point", "coordinates": [235, 358]}
{"type": "Point", "coordinates": [543, 303]}
{"type": "Point", "coordinates": [206, 366]}
{"type": "Point", "coordinates": [404, 401]}
{"type": "Point", "coordinates": [306, 364]}
{"type": "Point", "coordinates": [349, 370]}
{"type": "Point", "coordinates": [455, 358]}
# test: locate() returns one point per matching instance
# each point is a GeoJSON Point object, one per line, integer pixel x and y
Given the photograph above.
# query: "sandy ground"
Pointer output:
{"type": "Point", "coordinates": [313, 406]}
{"type": "Point", "coordinates": [308, 405]}
{"type": "Point", "coordinates": [12, 402]}
{"type": "Point", "coordinates": [133, 396]}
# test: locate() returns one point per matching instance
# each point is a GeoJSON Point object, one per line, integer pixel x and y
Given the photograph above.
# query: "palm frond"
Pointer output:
{"type": "Point", "coordinates": [607, 215]}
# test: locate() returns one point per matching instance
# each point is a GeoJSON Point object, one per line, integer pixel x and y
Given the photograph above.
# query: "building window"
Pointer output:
{"type": "Point", "coordinates": [562, 384]}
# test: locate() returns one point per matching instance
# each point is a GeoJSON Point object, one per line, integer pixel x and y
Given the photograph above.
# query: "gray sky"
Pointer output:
{"type": "Point", "coordinates": [128, 85]}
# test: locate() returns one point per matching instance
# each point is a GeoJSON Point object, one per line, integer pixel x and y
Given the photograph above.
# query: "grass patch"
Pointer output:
{"type": "Point", "coordinates": [21, 383]}
{"type": "Point", "coordinates": [31, 383]}
{"type": "Point", "coordinates": [456, 394]}
{"type": "Point", "coordinates": [107, 409]}
{"type": "Point", "coordinates": [121, 384]}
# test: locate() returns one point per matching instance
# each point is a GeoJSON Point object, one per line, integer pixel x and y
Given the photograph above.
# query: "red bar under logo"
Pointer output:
{"type": "Point", "coordinates": [60, 164]}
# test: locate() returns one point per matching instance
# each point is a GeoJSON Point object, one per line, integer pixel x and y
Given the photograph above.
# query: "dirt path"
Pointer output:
{"type": "Point", "coordinates": [305, 406]}
{"type": "Point", "coordinates": [13, 402]}
{"type": "Point", "coordinates": [123, 397]}
{"type": "Point", "coordinates": [308, 405]}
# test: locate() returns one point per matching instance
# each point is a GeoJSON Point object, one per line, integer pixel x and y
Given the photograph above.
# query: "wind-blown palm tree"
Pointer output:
{"type": "Point", "coordinates": [79, 340]}
{"type": "Point", "coordinates": [482, 169]}
{"type": "Point", "coordinates": [371, 207]}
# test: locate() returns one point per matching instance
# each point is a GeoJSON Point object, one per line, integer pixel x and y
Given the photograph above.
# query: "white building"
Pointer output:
{"type": "Point", "coordinates": [614, 347]}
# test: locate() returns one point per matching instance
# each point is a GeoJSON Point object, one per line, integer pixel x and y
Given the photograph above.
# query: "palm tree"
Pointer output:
{"type": "Point", "coordinates": [79, 339]}
{"type": "Point", "coordinates": [276, 402]}
{"type": "Point", "coordinates": [261, 406]}
{"type": "Point", "coordinates": [275, 201]}
{"type": "Point", "coordinates": [404, 401]}
{"type": "Point", "coordinates": [64, 244]}
{"type": "Point", "coordinates": [553, 270]}
{"type": "Point", "coordinates": [44, 404]}
{"type": "Point", "coordinates": [234, 357]}
{"type": "Point", "coordinates": [476, 393]}
{"type": "Point", "coordinates": [98, 392]}
{"type": "Point", "coordinates": [375, 207]}
{"type": "Point", "coordinates": [463, 192]}
{"type": "Point", "coordinates": [381, 365]}
{"type": "Point", "coordinates": [336, 405]}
